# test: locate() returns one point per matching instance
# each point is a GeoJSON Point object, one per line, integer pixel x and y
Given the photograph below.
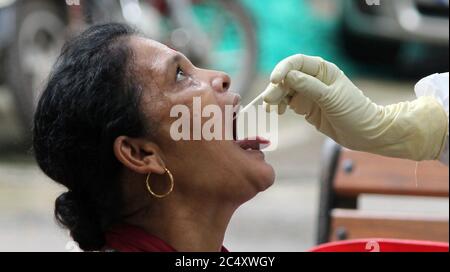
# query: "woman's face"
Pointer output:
{"type": "Point", "coordinates": [204, 168]}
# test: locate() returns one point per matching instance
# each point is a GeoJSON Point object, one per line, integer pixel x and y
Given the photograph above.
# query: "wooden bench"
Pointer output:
{"type": "Point", "coordinates": [347, 175]}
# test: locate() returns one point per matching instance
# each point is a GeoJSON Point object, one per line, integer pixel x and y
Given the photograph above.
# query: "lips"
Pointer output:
{"type": "Point", "coordinates": [258, 143]}
{"type": "Point", "coordinates": [255, 143]}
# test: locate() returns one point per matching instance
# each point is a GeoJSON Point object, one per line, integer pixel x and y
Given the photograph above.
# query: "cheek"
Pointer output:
{"type": "Point", "coordinates": [202, 168]}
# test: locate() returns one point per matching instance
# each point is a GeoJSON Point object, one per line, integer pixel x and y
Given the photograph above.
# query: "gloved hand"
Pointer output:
{"type": "Point", "coordinates": [335, 106]}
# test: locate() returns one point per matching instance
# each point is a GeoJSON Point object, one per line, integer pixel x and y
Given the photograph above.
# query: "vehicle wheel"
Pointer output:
{"type": "Point", "coordinates": [246, 71]}
{"type": "Point", "coordinates": [369, 49]}
{"type": "Point", "coordinates": [40, 33]}
{"type": "Point", "coordinates": [327, 200]}
{"type": "Point", "coordinates": [226, 41]}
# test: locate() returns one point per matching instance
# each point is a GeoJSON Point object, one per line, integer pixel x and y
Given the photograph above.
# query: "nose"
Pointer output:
{"type": "Point", "coordinates": [221, 82]}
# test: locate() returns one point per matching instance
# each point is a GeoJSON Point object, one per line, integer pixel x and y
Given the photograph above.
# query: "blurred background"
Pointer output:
{"type": "Point", "coordinates": [385, 49]}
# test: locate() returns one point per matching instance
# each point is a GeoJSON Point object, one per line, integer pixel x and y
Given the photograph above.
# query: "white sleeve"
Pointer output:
{"type": "Point", "coordinates": [437, 86]}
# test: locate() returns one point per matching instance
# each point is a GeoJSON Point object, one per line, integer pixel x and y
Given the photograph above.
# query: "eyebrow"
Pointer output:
{"type": "Point", "coordinates": [171, 61]}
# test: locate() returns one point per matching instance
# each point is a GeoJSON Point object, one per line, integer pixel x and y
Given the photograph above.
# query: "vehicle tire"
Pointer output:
{"type": "Point", "coordinates": [222, 22]}
{"type": "Point", "coordinates": [369, 49]}
{"type": "Point", "coordinates": [331, 152]}
{"type": "Point", "coordinates": [39, 36]}
{"type": "Point", "coordinates": [249, 64]}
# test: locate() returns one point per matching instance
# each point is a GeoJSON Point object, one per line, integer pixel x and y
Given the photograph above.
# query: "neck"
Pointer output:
{"type": "Point", "coordinates": [193, 227]}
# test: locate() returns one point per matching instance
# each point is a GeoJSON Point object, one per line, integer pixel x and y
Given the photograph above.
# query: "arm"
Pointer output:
{"type": "Point", "coordinates": [320, 91]}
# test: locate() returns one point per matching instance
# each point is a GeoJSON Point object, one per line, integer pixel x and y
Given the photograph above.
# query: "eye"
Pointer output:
{"type": "Point", "coordinates": [180, 74]}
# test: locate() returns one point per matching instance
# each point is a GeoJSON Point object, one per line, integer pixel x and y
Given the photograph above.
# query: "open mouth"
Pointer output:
{"type": "Point", "coordinates": [254, 143]}
{"type": "Point", "coordinates": [258, 143]}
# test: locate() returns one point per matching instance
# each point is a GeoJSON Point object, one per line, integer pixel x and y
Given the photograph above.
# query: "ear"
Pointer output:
{"type": "Point", "coordinates": [139, 155]}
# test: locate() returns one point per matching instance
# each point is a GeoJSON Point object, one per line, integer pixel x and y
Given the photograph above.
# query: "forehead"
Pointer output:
{"type": "Point", "coordinates": [150, 55]}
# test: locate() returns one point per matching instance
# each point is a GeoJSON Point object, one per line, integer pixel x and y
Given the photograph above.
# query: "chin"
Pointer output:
{"type": "Point", "coordinates": [260, 178]}
{"type": "Point", "coordinates": [265, 177]}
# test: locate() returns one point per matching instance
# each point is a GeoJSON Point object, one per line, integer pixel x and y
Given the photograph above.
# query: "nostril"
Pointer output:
{"type": "Point", "coordinates": [221, 82]}
{"type": "Point", "coordinates": [226, 82]}
{"type": "Point", "coordinates": [226, 85]}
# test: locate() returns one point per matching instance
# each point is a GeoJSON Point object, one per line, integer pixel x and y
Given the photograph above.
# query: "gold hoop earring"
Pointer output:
{"type": "Point", "coordinates": [160, 195]}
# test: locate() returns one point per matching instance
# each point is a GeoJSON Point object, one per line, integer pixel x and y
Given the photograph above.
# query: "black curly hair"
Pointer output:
{"type": "Point", "coordinates": [90, 99]}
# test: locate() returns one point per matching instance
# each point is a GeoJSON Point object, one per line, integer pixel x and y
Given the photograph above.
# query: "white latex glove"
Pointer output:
{"type": "Point", "coordinates": [335, 106]}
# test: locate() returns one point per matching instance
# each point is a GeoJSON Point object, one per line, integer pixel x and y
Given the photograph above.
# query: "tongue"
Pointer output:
{"type": "Point", "coordinates": [255, 144]}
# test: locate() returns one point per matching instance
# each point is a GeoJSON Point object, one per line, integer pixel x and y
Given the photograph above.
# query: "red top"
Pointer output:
{"type": "Point", "coordinates": [127, 238]}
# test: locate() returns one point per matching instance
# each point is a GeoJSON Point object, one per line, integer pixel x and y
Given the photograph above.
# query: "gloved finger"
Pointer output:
{"type": "Point", "coordinates": [308, 86]}
{"type": "Point", "coordinates": [325, 71]}
{"type": "Point", "coordinates": [328, 72]}
{"type": "Point", "coordinates": [301, 104]}
{"type": "Point", "coordinates": [287, 99]}
{"type": "Point", "coordinates": [275, 94]}
{"type": "Point", "coordinates": [280, 108]}
{"type": "Point", "coordinates": [306, 64]}
{"type": "Point", "coordinates": [268, 107]}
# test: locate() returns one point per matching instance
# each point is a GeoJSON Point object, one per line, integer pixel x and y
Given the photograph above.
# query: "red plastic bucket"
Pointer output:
{"type": "Point", "coordinates": [382, 245]}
